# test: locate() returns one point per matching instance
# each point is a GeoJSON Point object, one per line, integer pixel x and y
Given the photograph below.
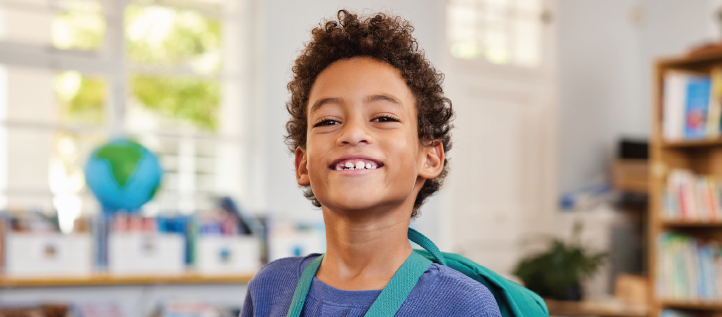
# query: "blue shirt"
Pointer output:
{"type": "Point", "coordinates": [441, 291]}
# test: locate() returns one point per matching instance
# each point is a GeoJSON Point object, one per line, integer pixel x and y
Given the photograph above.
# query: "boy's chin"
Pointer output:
{"type": "Point", "coordinates": [356, 203]}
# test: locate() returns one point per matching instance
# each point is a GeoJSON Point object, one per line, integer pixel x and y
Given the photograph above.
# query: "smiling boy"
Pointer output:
{"type": "Point", "coordinates": [370, 129]}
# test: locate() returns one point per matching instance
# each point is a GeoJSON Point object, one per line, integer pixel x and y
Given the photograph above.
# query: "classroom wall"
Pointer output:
{"type": "Point", "coordinates": [606, 49]}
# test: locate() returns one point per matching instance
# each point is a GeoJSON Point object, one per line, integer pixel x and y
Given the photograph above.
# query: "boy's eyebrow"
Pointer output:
{"type": "Point", "coordinates": [378, 97]}
{"type": "Point", "coordinates": [321, 102]}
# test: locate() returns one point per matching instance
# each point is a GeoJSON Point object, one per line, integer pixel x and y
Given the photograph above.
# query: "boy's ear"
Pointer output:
{"type": "Point", "coordinates": [301, 167]}
{"type": "Point", "coordinates": [433, 163]}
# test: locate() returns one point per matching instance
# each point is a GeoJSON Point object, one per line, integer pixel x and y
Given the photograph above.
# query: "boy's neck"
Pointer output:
{"type": "Point", "coordinates": [364, 248]}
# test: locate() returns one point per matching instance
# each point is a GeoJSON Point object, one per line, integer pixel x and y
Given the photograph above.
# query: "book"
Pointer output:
{"type": "Point", "coordinates": [714, 114]}
{"type": "Point", "coordinates": [698, 93]}
{"type": "Point", "coordinates": [689, 269]}
{"type": "Point", "coordinates": [690, 197]}
{"type": "Point", "coordinates": [692, 105]}
{"type": "Point", "coordinates": [675, 96]}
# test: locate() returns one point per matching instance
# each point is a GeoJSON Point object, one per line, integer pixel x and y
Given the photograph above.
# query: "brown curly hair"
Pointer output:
{"type": "Point", "coordinates": [387, 39]}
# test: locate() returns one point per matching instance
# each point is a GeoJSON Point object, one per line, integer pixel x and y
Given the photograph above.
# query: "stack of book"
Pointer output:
{"type": "Point", "coordinates": [692, 105]}
{"type": "Point", "coordinates": [688, 269]}
{"type": "Point", "coordinates": [689, 197]}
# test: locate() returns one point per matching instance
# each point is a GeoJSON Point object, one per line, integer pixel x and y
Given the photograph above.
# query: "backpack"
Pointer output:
{"type": "Point", "coordinates": [513, 299]}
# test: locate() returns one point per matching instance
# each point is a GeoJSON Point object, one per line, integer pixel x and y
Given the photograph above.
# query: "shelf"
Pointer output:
{"type": "Point", "coordinates": [702, 58]}
{"type": "Point", "coordinates": [691, 305]}
{"type": "Point", "coordinates": [107, 279]}
{"type": "Point", "coordinates": [691, 224]}
{"type": "Point", "coordinates": [565, 308]}
{"type": "Point", "coordinates": [692, 143]}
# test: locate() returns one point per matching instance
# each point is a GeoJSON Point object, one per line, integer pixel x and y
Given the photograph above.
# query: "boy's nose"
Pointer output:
{"type": "Point", "coordinates": [354, 133]}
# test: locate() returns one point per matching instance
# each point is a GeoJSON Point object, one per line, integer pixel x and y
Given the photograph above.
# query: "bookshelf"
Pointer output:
{"type": "Point", "coordinates": [109, 280]}
{"type": "Point", "coordinates": [702, 157]}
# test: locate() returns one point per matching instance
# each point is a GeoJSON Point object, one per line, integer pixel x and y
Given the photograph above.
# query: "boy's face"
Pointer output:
{"type": "Point", "coordinates": [363, 151]}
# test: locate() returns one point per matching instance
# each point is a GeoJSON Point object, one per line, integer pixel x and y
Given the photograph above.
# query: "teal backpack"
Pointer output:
{"type": "Point", "coordinates": [513, 299]}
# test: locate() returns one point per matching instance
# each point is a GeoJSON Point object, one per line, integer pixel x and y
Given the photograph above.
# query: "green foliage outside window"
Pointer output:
{"type": "Point", "coordinates": [82, 98]}
{"type": "Point", "coordinates": [156, 36]}
{"type": "Point", "coordinates": [80, 26]}
{"type": "Point", "coordinates": [179, 97]}
{"type": "Point", "coordinates": [163, 36]}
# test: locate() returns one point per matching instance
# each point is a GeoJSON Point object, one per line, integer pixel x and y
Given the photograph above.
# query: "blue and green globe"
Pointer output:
{"type": "Point", "coordinates": [123, 175]}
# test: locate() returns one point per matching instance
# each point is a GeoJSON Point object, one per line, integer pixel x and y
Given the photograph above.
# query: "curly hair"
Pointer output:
{"type": "Point", "coordinates": [383, 38]}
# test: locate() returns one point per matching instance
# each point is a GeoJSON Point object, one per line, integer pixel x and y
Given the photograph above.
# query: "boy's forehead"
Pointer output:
{"type": "Point", "coordinates": [359, 78]}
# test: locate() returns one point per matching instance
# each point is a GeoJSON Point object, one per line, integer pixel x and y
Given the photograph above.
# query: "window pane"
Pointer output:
{"type": "Point", "coordinates": [197, 171]}
{"type": "Point", "coordinates": [42, 169]}
{"type": "Point", "coordinates": [81, 98]}
{"type": "Point", "coordinates": [528, 5]}
{"type": "Point", "coordinates": [164, 36]}
{"type": "Point", "coordinates": [79, 25]}
{"type": "Point", "coordinates": [69, 24]}
{"type": "Point", "coordinates": [176, 103]}
{"type": "Point", "coordinates": [41, 96]}
{"type": "Point", "coordinates": [499, 31]}
{"type": "Point", "coordinates": [526, 42]}
{"type": "Point", "coordinates": [462, 32]}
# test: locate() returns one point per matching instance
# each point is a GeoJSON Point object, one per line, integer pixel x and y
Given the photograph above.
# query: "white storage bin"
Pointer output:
{"type": "Point", "coordinates": [227, 255]}
{"type": "Point", "coordinates": [48, 254]}
{"type": "Point", "coordinates": [143, 253]}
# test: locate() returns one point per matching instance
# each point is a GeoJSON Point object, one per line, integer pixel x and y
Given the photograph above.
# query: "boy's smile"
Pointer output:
{"type": "Point", "coordinates": [357, 163]}
{"type": "Point", "coordinates": [363, 149]}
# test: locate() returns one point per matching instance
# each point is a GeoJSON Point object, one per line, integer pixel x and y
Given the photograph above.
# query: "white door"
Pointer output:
{"type": "Point", "coordinates": [499, 76]}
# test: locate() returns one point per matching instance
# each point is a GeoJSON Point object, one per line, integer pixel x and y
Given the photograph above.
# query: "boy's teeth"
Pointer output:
{"type": "Point", "coordinates": [355, 164]}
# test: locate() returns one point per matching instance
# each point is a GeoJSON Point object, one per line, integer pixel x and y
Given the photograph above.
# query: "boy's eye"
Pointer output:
{"type": "Point", "coordinates": [326, 122]}
{"type": "Point", "coordinates": [384, 119]}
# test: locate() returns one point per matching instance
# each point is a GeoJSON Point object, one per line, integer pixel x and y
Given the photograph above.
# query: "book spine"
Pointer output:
{"type": "Point", "coordinates": [715, 103]}
{"type": "Point", "coordinates": [675, 83]}
{"type": "Point", "coordinates": [698, 90]}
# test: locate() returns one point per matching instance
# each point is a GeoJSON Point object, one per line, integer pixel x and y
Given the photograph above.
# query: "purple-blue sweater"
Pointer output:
{"type": "Point", "coordinates": [441, 291]}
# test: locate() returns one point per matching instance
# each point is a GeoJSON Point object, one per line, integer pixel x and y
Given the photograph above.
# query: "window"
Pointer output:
{"type": "Point", "coordinates": [498, 31]}
{"type": "Point", "coordinates": [76, 73]}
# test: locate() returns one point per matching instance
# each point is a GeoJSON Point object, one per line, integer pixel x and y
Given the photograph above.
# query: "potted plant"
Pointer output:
{"type": "Point", "coordinates": [558, 272]}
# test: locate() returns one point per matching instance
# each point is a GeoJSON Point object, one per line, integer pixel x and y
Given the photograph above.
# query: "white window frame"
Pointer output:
{"type": "Point", "coordinates": [111, 63]}
{"type": "Point", "coordinates": [481, 64]}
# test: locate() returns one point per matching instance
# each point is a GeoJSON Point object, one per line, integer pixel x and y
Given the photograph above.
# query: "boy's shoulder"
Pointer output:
{"type": "Point", "coordinates": [453, 293]}
{"type": "Point", "coordinates": [271, 289]}
{"type": "Point", "coordinates": [285, 269]}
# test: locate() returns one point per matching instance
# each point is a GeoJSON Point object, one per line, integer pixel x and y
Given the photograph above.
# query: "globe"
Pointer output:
{"type": "Point", "coordinates": [123, 175]}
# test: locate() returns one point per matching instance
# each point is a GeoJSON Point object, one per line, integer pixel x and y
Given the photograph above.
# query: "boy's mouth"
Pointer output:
{"type": "Point", "coordinates": [355, 164]}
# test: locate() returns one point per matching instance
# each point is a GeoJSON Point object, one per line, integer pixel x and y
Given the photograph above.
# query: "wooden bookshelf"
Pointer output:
{"type": "Point", "coordinates": [107, 279]}
{"type": "Point", "coordinates": [700, 156]}
{"type": "Point", "coordinates": [691, 144]}
{"type": "Point", "coordinates": [692, 305]}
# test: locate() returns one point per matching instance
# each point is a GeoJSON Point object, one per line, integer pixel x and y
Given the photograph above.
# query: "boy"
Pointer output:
{"type": "Point", "coordinates": [370, 128]}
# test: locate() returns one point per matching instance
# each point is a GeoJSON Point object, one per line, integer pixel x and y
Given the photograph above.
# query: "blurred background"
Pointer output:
{"type": "Point", "coordinates": [183, 101]}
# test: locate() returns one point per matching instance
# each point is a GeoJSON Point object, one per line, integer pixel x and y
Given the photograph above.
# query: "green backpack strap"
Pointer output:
{"type": "Point", "coordinates": [391, 297]}
{"type": "Point", "coordinates": [400, 286]}
{"type": "Point", "coordinates": [304, 284]}
{"type": "Point", "coordinates": [424, 242]}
